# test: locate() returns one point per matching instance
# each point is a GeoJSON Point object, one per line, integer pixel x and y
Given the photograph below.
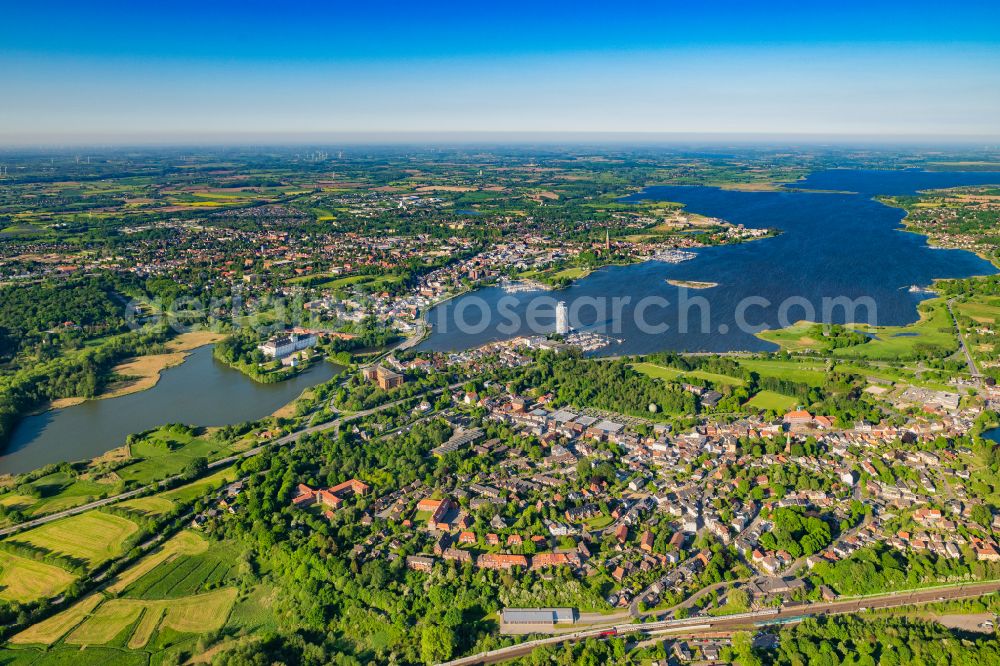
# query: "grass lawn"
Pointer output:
{"type": "Point", "coordinates": [934, 329]}
{"type": "Point", "coordinates": [23, 580]}
{"type": "Point", "coordinates": [158, 460]}
{"type": "Point", "coordinates": [657, 371]}
{"type": "Point", "coordinates": [796, 371]}
{"type": "Point", "coordinates": [94, 537]}
{"type": "Point", "coordinates": [773, 401]}
{"type": "Point", "coordinates": [794, 338]}
{"type": "Point", "coordinates": [715, 378]}
{"type": "Point", "coordinates": [573, 273]}
{"type": "Point", "coordinates": [598, 522]}
{"type": "Point", "coordinates": [673, 374]}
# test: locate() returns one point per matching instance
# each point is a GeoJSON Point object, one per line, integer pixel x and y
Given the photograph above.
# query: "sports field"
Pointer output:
{"type": "Point", "coordinates": [773, 401]}
{"type": "Point", "coordinates": [93, 537]}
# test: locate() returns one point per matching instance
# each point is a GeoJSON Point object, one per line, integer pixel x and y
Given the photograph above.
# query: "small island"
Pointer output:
{"type": "Point", "coordinates": [693, 284]}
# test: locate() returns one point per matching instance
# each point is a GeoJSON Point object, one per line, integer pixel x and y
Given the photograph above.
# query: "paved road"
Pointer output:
{"type": "Point", "coordinates": [697, 625]}
{"type": "Point", "coordinates": [961, 341]}
{"type": "Point", "coordinates": [222, 462]}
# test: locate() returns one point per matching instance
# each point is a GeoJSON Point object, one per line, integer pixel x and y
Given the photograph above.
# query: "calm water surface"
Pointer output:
{"type": "Point", "coordinates": [831, 245]}
{"type": "Point", "coordinates": [200, 392]}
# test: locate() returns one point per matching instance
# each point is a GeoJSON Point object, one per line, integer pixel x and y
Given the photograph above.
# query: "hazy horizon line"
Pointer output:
{"type": "Point", "coordinates": [497, 137]}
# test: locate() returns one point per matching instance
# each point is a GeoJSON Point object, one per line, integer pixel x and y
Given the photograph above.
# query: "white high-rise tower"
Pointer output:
{"type": "Point", "coordinates": [562, 318]}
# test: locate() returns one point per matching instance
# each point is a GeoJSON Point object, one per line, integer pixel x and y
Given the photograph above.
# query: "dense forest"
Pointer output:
{"type": "Point", "coordinates": [611, 385]}
{"type": "Point", "coordinates": [79, 309]}
{"type": "Point", "coordinates": [888, 641]}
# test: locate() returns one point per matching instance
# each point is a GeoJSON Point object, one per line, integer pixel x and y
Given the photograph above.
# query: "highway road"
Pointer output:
{"type": "Point", "coordinates": [222, 462]}
{"type": "Point", "coordinates": [705, 624]}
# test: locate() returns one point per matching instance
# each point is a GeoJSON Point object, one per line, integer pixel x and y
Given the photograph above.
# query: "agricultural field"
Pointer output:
{"type": "Point", "coordinates": [51, 629]}
{"type": "Point", "coordinates": [93, 537]}
{"type": "Point", "coordinates": [183, 574]}
{"type": "Point", "coordinates": [185, 543]}
{"type": "Point", "coordinates": [193, 614]}
{"type": "Point", "coordinates": [148, 506]}
{"type": "Point", "coordinates": [985, 311]}
{"type": "Point", "coordinates": [23, 580]}
{"type": "Point", "coordinates": [97, 620]}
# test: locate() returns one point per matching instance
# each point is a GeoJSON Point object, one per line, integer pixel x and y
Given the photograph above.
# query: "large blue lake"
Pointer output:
{"type": "Point", "coordinates": [842, 245]}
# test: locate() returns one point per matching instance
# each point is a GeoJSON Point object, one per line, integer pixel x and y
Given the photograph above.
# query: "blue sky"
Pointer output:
{"type": "Point", "coordinates": [121, 71]}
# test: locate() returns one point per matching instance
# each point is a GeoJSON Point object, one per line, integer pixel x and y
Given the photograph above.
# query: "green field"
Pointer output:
{"type": "Point", "coordinates": [796, 371]}
{"type": "Point", "coordinates": [255, 613]}
{"type": "Point", "coordinates": [92, 537]}
{"type": "Point", "coordinates": [986, 311]}
{"type": "Point", "coordinates": [673, 374]}
{"type": "Point", "coordinates": [574, 273]}
{"type": "Point", "coordinates": [193, 491]}
{"type": "Point", "coordinates": [111, 618]}
{"type": "Point", "coordinates": [96, 621]}
{"type": "Point", "coordinates": [148, 506]}
{"type": "Point", "coordinates": [51, 629]}
{"type": "Point", "coordinates": [185, 575]}
{"type": "Point", "coordinates": [715, 378]}
{"type": "Point", "coordinates": [57, 492]}
{"type": "Point", "coordinates": [657, 371]}
{"type": "Point", "coordinates": [769, 400]}
{"type": "Point", "coordinates": [23, 580]}
{"type": "Point", "coordinates": [935, 328]}
{"type": "Point", "coordinates": [185, 543]}
{"type": "Point", "coordinates": [934, 332]}
{"type": "Point", "coordinates": [157, 458]}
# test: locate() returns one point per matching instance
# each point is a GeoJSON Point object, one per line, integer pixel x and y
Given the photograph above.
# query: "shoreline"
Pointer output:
{"type": "Point", "coordinates": [147, 370]}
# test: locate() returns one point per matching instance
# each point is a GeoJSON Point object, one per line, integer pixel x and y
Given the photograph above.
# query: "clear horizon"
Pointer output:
{"type": "Point", "coordinates": [120, 74]}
